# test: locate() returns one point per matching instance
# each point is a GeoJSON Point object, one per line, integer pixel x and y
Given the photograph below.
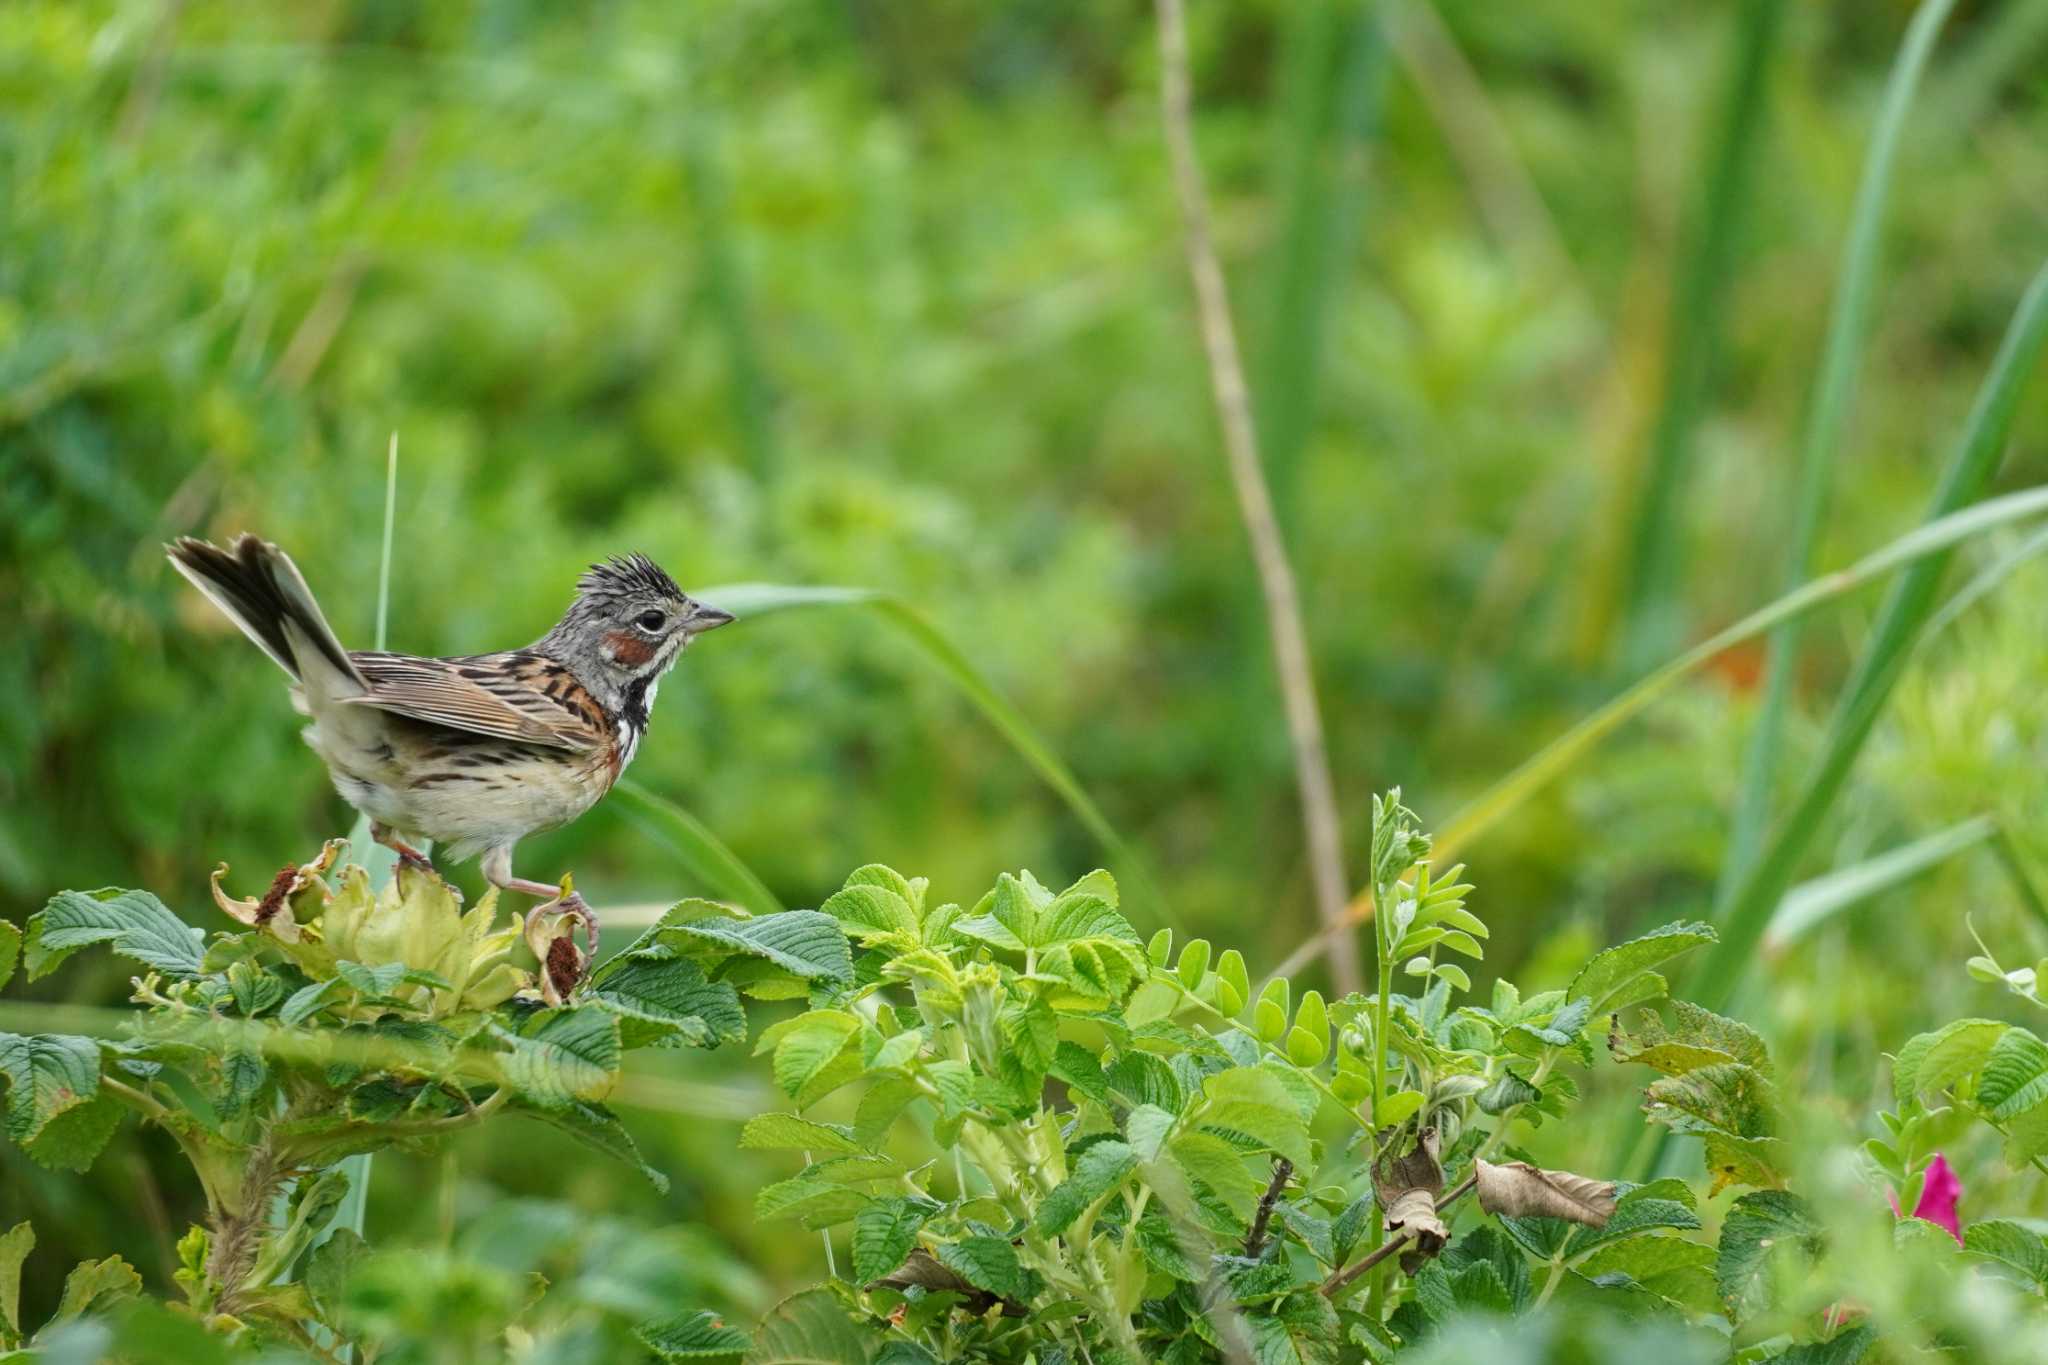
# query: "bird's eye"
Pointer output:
{"type": "Point", "coordinates": [651, 621]}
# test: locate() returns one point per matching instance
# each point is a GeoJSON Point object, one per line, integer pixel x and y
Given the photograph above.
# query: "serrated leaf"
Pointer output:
{"type": "Point", "coordinates": [2016, 1248]}
{"type": "Point", "coordinates": [1697, 1038]}
{"type": "Point", "coordinates": [10, 949]}
{"type": "Point", "coordinates": [1097, 1172]}
{"type": "Point", "coordinates": [870, 913]}
{"type": "Point", "coordinates": [1507, 1091]}
{"type": "Point", "coordinates": [810, 1328]}
{"type": "Point", "coordinates": [597, 1127]}
{"type": "Point", "coordinates": [806, 942]}
{"type": "Point", "coordinates": [1253, 1100]}
{"type": "Point", "coordinates": [1757, 1226]}
{"type": "Point", "coordinates": [2014, 1077]}
{"type": "Point", "coordinates": [890, 1094]}
{"type": "Point", "coordinates": [662, 999]}
{"type": "Point", "coordinates": [47, 1074]}
{"type": "Point", "coordinates": [791, 1133]}
{"type": "Point", "coordinates": [95, 1285]}
{"type": "Point", "coordinates": [1076, 916]}
{"type": "Point", "coordinates": [1847, 1347]}
{"type": "Point", "coordinates": [883, 1234]}
{"type": "Point", "coordinates": [1672, 1268]}
{"type": "Point", "coordinates": [134, 923]}
{"type": "Point", "coordinates": [987, 1263]}
{"type": "Point", "coordinates": [1607, 978]}
{"type": "Point", "coordinates": [1934, 1061]}
{"type": "Point", "coordinates": [559, 1056]}
{"type": "Point", "coordinates": [698, 1335]}
{"type": "Point", "coordinates": [1725, 1097]}
{"type": "Point", "coordinates": [817, 1055]}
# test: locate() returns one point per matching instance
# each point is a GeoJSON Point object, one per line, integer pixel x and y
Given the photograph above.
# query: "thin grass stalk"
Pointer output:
{"type": "Point", "coordinates": [1834, 392]}
{"type": "Point", "coordinates": [1907, 608]}
{"type": "Point", "coordinates": [1928, 541]}
{"type": "Point", "coordinates": [1255, 501]}
{"type": "Point", "coordinates": [1693, 344]}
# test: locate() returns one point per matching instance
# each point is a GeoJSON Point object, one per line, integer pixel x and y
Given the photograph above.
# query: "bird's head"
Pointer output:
{"type": "Point", "coordinates": [627, 625]}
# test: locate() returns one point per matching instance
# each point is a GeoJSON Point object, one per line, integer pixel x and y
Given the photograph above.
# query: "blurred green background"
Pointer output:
{"type": "Point", "coordinates": [893, 296]}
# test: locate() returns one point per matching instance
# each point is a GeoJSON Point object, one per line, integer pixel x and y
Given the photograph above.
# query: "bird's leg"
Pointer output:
{"type": "Point", "coordinates": [497, 869]}
{"type": "Point", "coordinates": [407, 854]}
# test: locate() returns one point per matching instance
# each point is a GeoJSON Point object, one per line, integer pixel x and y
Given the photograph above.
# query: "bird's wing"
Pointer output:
{"type": "Point", "coordinates": [518, 696]}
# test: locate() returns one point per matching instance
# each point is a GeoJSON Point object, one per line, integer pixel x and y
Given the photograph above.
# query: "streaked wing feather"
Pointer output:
{"type": "Point", "coordinates": [504, 705]}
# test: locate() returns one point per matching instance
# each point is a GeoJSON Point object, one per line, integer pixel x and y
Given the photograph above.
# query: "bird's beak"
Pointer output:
{"type": "Point", "coordinates": [706, 617]}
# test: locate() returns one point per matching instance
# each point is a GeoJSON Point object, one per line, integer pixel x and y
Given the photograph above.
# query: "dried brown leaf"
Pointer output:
{"type": "Point", "coordinates": [1519, 1190]}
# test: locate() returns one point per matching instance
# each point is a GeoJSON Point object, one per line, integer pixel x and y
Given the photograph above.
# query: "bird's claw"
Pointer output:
{"type": "Point", "coordinates": [575, 908]}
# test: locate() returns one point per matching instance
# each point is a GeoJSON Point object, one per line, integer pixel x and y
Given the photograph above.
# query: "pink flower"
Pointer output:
{"type": "Point", "coordinates": [1940, 1192]}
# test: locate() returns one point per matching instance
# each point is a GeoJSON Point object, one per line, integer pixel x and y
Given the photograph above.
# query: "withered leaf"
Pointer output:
{"type": "Point", "coordinates": [1408, 1187]}
{"type": "Point", "coordinates": [1519, 1190]}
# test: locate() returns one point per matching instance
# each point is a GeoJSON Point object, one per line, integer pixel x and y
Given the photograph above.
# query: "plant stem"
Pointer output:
{"type": "Point", "coordinates": [1283, 1169]}
{"type": "Point", "coordinates": [1550, 1285]}
{"type": "Point", "coordinates": [1339, 1279]}
{"type": "Point", "coordinates": [1289, 637]}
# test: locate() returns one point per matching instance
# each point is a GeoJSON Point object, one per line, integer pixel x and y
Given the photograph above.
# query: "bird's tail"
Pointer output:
{"type": "Point", "coordinates": [260, 589]}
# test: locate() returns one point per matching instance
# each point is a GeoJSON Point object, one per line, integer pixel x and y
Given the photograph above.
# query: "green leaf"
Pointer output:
{"type": "Point", "coordinates": [1399, 1107]}
{"type": "Point", "coordinates": [1233, 983]}
{"type": "Point", "coordinates": [665, 999]}
{"type": "Point", "coordinates": [1759, 1225]}
{"type": "Point", "coordinates": [891, 1093]}
{"type": "Point", "coordinates": [1098, 1173]}
{"type": "Point", "coordinates": [696, 1335]}
{"type": "Point", "coordinates": [47, 1075]}
{"type": "Point", "coordinates": [330, 1264]}
{"type": "Point", "coordinates": [2014, 1077]}
{"type": "Point", "coordinates": [1253, 1101]}
{"type": "Point", "coordinates": [810, 1328]}
{"type": "Point", "coordinates": [2016, 1248]}
{"type": "Point", "coordinates": [1147, 1127]}
{"type": "Point", "coordinates": [560, 1056]}
{"type": "Point", "coordinates": [818, 1054]}
{"type": "Point", "coordinates": [14, 1249]}
{"type": "Point", "coordinates": [883, 1234]}
{"type": "Point", "coordinates": [135, 923]}
{"type": "Point", "coordinates": [872, 913]}
{"type": "Point", "coordinates": [790, 1133]}
{"type": "Point", "coordinates": [1192, 967]}
{"type": "Point", "coordinates": [1846, 1347]}
{"type": "Point", "coordinates": [987, 1263]}
{"type": "Point", "coordinates": [1726, 1097]}
{"type": "Point", "coordinates": [805, 942]}
{"type": "Point", "coordinates": [1697, 1038]}
{"type": "Point", "coordinates": [1608, 977]}
{"type": "Point", "coordinates": [10, 948]}
{"type": "Point", "coordinates": [1672, 1268]}
{"type": "Point", "coordinates": [597, 1127]}
{"type": "Point", "coordinates": [1507, 1091]}
{"type": "Point", "coordinates": [1931, 1062]}
{"type": "Point", "coordinates": [95, 1285]}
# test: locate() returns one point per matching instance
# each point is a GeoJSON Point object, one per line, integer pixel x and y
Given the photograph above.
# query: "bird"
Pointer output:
{"type": "Point", "coordinates": [474, 752]}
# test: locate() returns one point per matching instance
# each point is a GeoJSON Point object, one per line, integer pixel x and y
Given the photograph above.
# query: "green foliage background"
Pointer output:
{"type": "Point", "coordinates": [893, 297]}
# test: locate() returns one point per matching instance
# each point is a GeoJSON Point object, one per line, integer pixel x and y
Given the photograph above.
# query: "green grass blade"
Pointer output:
{"type": "Point", "coordinates": [1693, 342]}
{"type": "Point", "coordinates": [749, 601]}
{"type": "Point", "coordinates": [701, 851]}
{"type": "Point", "coordinates": [1987, 580]}
{"type": "Point", "coordinates": [1810, 904]}
{"type": "Point", "coordinates": [1907, 608]}
{"type": "Point", "coordinates": [1330, 67]}
{"type": "Point", "coordinates": [1834, 391]}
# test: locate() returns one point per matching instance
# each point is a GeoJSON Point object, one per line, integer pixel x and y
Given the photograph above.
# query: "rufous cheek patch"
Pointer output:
{"type": "Point", "coordinates": [628, 649]}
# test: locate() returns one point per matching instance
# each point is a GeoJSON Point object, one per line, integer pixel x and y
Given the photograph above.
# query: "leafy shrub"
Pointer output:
{"type": "Point", "coordinates": [340, 1021]}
